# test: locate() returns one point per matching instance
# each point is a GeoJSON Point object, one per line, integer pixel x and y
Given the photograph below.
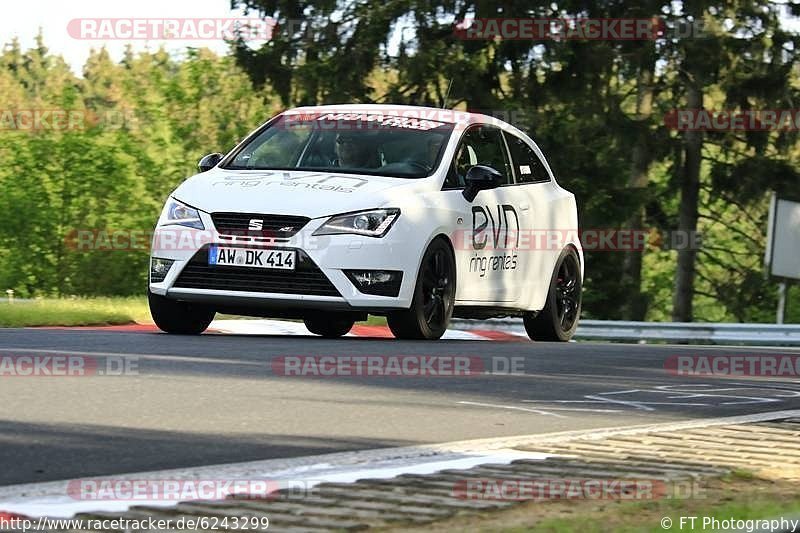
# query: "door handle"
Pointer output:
{"type": "Point", "coordinates": [524, 207]}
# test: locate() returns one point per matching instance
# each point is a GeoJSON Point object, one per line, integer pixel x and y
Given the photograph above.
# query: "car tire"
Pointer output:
{"type": "Point", "coordinates": [434, 297]}
{"type": "Point", "coordinates": [180, 318]}
{"type": "Point", "coordinates": [558, 320]}
{"type": "Point", "coordinates": [329, 327]}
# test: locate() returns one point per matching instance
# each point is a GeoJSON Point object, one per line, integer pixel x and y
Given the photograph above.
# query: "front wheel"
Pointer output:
{"type": "Point", "coordinates": [434, 297]}
{"type": "Point", "coordinates": [329, 327]}
{"type": "Point", "coordinates": [181, 318]}
{"type": "Point", "coordinates": [559, 319]}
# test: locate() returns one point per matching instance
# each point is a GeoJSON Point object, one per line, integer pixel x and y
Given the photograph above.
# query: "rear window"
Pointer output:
{"type": "Point", "coordinates": [527, 165]}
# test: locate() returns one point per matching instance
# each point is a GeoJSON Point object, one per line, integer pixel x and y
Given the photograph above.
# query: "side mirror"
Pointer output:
{"type": "Point", "coordinates": [480, 178]}
{"type": "Point", "coordinates": [210, 161]}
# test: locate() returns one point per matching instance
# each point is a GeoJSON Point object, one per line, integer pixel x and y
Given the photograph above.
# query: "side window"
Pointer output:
{"type": "Point", "coordinates": [480, 145]}
{"type": "Point", "coordinates": [528, 166]}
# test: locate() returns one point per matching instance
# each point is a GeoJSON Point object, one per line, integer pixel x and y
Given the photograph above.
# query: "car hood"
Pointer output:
{"type": "Point", "coordinates": [304, 193]}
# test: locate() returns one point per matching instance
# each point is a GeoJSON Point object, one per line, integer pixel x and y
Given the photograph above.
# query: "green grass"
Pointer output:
{"type": "Point", "coordinates": [738, 495]}
{"type": "Point", "coordinates": [90, 312]}
{"type": "Point", "coordinates": [74, 312]}
{"type": "Point", "coordinates": [373, 320]}
{"type": "Point", "coordinates": [641, 518]}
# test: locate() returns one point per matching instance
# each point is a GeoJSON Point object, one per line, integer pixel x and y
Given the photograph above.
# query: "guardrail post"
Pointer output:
{"type": "Point", "coordinates": [781, 315]}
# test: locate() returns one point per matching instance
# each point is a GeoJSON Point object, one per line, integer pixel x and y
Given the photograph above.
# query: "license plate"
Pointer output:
{"type": "Point", "coordinates": [253, 258]}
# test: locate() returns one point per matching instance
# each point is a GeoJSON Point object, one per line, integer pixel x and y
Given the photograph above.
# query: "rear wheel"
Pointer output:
{"type": "Point", "coordinates": [181, 318]}
{"type": "Point", "coordinates": [559, 318]}
{"type": "Point", "coordinates": [329, 327]}
{"type": "Point", "coordinates": [434, 296]}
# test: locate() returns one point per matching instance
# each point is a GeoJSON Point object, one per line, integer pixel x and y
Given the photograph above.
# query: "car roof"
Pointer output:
{"type": "Point", "coordinates": [461, 119]}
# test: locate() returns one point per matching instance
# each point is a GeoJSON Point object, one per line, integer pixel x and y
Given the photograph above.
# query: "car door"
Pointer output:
{"type": "Point", "coordinates": [486, 256]}
{"type": "Point", "coordinates": [540, 242]}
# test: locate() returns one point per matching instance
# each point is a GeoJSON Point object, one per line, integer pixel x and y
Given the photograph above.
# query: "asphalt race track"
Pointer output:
{"type": "Point", "coordinates": [213, 399]}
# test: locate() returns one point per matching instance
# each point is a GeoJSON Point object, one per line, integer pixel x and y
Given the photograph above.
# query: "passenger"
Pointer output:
{"type": "Point", "coordinates": [355, 151]}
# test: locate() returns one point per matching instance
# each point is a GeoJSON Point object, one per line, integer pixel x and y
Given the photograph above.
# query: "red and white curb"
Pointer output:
{"type": "Point", "coordinates": [283, 328]}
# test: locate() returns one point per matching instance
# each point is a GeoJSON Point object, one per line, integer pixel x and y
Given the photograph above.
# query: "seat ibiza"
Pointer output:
{"type": "Point", "coordinates": [328, 214]}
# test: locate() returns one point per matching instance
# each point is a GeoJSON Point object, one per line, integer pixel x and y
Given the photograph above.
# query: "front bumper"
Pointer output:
{"type": "Point", "coordinates": [317, 283]}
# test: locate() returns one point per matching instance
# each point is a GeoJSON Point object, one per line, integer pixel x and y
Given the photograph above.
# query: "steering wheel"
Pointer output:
{"type": "Point", "coordinates": [421, 166]}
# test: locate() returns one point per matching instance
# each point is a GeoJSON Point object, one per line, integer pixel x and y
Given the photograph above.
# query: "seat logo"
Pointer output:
{"type": "Point", "coordinates": [255, 224]}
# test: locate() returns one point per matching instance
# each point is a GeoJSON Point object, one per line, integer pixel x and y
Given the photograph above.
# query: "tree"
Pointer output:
{"type": "Point", "coordinates": [747, 63]}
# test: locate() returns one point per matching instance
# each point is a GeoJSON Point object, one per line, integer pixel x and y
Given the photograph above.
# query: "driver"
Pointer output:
{"type": "Point", "coordinates": [463, 160]}
{"type": "Point", "coordinates": [354, 151]}
{"type": "Point", "coordinates": [434, 145]}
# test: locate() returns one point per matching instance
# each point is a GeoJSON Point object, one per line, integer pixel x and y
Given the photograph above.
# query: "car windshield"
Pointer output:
{"type": "Point", "coordinates": [360, 143]}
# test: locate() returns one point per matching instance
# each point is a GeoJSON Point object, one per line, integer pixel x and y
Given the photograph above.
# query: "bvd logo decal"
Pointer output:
{"type": "Point", "coordinates": [498, 228]}
{"type": "Point", "coordinates": [485, 225]}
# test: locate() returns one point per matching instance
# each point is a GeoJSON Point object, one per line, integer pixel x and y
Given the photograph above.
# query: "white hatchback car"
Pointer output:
{"type": "Point", "coordinates": [331, 213]}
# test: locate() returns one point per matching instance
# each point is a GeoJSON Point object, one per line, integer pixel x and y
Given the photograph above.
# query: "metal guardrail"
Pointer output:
{"type": "Point", "coordinates": [675, 332]}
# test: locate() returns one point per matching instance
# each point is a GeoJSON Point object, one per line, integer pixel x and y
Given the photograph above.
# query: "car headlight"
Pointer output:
{"type": "Point", "coordinates": [180, 214]}
{"type": "Point", "coordinates": [372, 223]}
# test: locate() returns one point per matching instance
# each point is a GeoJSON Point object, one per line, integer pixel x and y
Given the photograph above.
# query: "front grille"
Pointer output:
{"type": "Point", "coordinates": [276, 226]}
{"type": "Point", "coordinates": [307, 278]}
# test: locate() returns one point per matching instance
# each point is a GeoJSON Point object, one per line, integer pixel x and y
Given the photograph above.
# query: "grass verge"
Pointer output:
{"type": "Point", "coordinates": [74, 312]}
{"type": "Point", "coordinates": [733, 497]}
{"type": "Point", "coordinates": [91, 312]}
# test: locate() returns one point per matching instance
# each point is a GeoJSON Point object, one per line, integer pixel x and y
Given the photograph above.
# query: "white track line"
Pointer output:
{"type": "Point", "coordinates": [178, 358]}
{"type": "Point", "coordinates": [512, 408]}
